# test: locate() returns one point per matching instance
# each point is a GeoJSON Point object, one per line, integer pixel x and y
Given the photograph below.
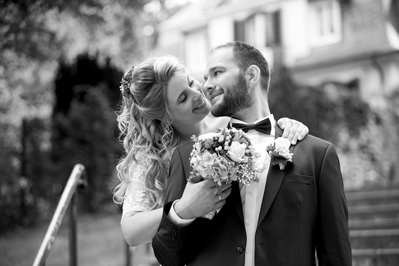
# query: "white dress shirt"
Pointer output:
{"type": "Point", "coordinates": [252, 193]}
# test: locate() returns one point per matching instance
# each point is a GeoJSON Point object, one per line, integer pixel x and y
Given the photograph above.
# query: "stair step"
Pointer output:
{"type": "Point", "coordinates": [375, 232]}
{"type": "Point", "coordinates": [371, 257]}
{"type": "Point", "coordinates": [375, 252]}
{"type": "Point", "coordinates": [374, 239]}
{"type": "Point", "coordinates": [375, 223]}
{"type": "Point", "coordinates": [374, 209]}
{"type": "Point", "coordinates": [387, 201]}
{"type": "Point", "coordinates": [372, 194]}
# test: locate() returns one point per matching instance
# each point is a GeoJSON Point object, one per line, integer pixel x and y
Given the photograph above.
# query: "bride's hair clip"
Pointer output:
{"type": "Point", "coordinates": [126, 82]}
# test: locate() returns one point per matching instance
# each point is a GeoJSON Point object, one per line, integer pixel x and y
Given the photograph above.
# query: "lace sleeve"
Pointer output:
{"type": "Point", "coordinates": [137, 198]}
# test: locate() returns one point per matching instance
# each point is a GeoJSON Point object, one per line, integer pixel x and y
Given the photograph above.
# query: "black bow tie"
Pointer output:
{"type": "Point", "coordinates": [263, 126]}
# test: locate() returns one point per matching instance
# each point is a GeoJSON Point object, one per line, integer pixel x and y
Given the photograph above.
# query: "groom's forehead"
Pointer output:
{"type": "Point", "coordinates": [220, 55]}
{"type": "Point", "coordinates": [222, 58]}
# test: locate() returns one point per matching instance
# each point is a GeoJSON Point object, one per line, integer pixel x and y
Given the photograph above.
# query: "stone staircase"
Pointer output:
{"type": "Point", "coordinates": [374, 226]}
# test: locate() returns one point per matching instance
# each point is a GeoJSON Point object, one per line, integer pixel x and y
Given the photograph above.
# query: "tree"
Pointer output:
{"type": "Point", "coordinates": [84, 120]}
{"type": "Point", "coordinates": [87, 138]}
{"type": "Point", "coordinates": [335, 112]}
{"type": "Point", "coordinates": [35, 36]}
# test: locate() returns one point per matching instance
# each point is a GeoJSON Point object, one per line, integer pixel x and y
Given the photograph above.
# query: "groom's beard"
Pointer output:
{"type": "Point", "coordinates": [234, 99]}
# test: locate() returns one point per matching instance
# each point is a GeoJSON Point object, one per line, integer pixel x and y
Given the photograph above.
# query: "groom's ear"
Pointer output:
{"type": "Point", "coordinates": [252, 75]}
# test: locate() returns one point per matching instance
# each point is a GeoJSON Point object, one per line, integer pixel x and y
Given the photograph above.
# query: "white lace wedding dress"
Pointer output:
{"type": "Point", "coordinates": [137, 198]}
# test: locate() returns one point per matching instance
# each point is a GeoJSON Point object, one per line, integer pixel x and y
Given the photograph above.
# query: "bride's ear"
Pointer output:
{"type": "Point", "coordinates": [168, 119]}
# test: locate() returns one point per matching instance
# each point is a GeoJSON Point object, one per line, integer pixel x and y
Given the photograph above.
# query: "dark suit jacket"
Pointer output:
{"type": "Point", "coordinates": [303, 211]}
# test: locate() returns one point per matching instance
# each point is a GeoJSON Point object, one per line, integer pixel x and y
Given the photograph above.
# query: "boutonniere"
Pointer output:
{"type": "Point", "coordinates": [279, 152]}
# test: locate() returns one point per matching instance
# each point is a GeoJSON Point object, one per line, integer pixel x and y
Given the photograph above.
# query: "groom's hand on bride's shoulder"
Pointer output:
{"type": "Point", "coordinates": [293, 130]}
{"type": "Point", "coordinates": [200, 198]}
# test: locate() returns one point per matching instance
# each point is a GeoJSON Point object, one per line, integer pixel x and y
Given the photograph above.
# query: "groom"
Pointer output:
{"type": "Point", "coordinates": [289, 217]}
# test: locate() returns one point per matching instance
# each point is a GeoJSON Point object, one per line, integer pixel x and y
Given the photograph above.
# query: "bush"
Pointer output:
{"type": "Point", "coordinates": [85, 136]}
{"type": "Point", "coordinates": [366, 140]}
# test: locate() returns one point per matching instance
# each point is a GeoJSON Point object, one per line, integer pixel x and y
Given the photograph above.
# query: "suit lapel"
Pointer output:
{"type": "Point", "coordinates": [275, 178]}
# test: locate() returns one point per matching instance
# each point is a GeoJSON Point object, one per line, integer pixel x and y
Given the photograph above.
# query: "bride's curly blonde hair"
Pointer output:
{"type": "Point", "coordinates": [145, 125]}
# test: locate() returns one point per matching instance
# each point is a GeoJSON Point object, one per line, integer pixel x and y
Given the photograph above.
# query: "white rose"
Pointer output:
{"type": "Point", "coordinates": [281, 145]}
{"type": "Point", "coordinates": [237, 152]}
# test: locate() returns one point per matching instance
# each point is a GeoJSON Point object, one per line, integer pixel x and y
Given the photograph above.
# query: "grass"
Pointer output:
{"type": "Point", "coordinates": [100, 243]}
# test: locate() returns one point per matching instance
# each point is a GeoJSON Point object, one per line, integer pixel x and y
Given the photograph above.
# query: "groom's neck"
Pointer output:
{"type": "Point", "coordinates": [252, 114]}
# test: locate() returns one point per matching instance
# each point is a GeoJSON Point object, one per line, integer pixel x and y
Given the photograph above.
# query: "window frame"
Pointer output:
{"type": "Point", "coordinates": [325, 16]}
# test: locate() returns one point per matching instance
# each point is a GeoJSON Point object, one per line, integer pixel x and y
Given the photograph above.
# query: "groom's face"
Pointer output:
{"type": "Point", "coordinates": [225, 84]}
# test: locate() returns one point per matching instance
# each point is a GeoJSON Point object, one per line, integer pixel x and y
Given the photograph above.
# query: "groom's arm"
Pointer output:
{"type": "Point", "coordinates": [170, 239]}
{"type": "Point", "coordinates": [333, 246]}
{"type": "Point", "coordinates": [175, 243]}
{"type": "Point", "coordinates": [177, 179]}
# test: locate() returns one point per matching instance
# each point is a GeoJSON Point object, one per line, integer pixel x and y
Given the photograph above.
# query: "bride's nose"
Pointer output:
{"type": "Point", "coordinates": [197, 94]}
{"type": "Point", "coordinates": [200, 89]}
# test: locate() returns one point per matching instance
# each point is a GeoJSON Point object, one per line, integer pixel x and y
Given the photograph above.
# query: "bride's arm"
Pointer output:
{"type": "Point", "coordinates": [140, 227]}
{"type": "Point", "coordinates": [140, 218]}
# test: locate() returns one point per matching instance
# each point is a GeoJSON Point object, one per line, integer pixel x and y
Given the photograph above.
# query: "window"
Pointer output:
{"type": "Point", "coordinates": [196, 49]}
{"type": "Point", "coordinates": [259, 30]}
{"type": "Point", "coordinates": [273, 29]}
{"type": "Point", "coordinates": [325, 22]}
{"type": "Point", "coordinates": [239, 31]}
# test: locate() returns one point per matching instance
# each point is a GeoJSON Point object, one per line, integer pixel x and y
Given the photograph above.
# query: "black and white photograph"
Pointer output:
{"type": "Point", "coordinates": [199, 132]}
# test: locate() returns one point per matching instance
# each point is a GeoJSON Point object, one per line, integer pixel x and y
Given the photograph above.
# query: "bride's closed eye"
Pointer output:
{"type": "Point", "coordinates": [182, 98]}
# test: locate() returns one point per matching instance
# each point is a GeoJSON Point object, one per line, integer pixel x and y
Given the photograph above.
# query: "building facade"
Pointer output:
{"type": "Point", "coordinates": [322, 42]}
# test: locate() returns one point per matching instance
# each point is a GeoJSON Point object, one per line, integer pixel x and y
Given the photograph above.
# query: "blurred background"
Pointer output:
{"type": "Point", "coordinates": [335, 67]}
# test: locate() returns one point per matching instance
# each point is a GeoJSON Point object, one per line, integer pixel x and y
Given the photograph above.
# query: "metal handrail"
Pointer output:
{"type": "Point", "coordinates": [76, 179]}
{"type": "Point", "coordinates": [128, 255]}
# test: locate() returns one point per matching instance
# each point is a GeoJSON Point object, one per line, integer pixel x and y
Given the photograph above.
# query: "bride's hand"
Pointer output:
{"type": "Point", "coordinates": [293, 130]}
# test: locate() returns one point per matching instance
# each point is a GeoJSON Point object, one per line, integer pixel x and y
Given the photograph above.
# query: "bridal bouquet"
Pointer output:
{"type": "Point", "coordinates": [225, 156]}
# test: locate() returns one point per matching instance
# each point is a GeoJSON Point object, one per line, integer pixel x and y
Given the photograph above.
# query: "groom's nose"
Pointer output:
{"type": "Point", "coordinates": [208, 86]}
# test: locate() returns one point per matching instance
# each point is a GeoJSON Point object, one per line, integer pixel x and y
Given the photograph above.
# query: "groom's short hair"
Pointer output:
{"type": "Point", "coordinates": [246, 55]}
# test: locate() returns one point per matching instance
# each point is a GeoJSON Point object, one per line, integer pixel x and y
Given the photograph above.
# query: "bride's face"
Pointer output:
{"type": "Point", "coordinates": [186, 101]}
